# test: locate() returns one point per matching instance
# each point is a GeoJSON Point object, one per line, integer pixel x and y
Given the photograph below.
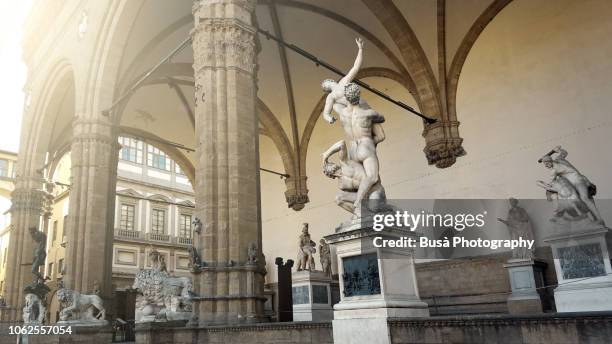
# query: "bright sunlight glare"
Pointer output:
{"type": "Point", "coordinates": [13, 71]}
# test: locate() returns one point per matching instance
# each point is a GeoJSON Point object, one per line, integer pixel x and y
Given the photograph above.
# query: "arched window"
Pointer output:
{"type": "Point", "coordinates": [131, 149]}
{"type": "Point", "coordinates": [158, 159]}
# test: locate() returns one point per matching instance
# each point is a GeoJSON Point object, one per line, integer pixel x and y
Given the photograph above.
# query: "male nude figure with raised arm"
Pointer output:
{"type": "Point", "coordinates": [336, 94]}
{"type": "Point", "coordinates": [357, 123]}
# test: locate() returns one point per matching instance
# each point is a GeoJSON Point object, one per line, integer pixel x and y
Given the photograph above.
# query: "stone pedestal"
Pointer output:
{"type": "Point", "coordinates": [312, 296]}
{"type": "Point", "coordinates": [582, 263]}
{"type": "Point", "coordinates": [376, 283]}
{"type": "Point", "coordinates": [526, 276]}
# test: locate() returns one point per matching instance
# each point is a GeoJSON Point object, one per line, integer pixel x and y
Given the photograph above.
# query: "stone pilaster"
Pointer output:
{"type": "Point", "coordinates": [91, 213]}
{"type": "Point", "coordinates": [227, 172]}
{"type": "Point", "coordinates": [28, 204]}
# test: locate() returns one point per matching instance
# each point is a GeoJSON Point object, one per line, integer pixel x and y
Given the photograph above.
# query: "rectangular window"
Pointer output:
{"type": "Point", "coordinates": [50, 271]}
{"type": "Point", "coordinates": [131, 149]}
{"type": "Point", "coordinates": [185, 226]}
{"type": "Point", "coordinates": [126, 217]}
{"type": "Point", "coordinates": [4, 168]}
{"type": "Point", "coordinates": [157, 158]}
{"type": "Point", "coordinates": [177, 169]}
{"type": "Point", "coordinates": [54, 234]}
{"type": "Point", "coordinates": [158, 221]}
{"type": "Point", "coordinates": [60, 266]}
{"type": "Point", "coordinates": [64, 225]}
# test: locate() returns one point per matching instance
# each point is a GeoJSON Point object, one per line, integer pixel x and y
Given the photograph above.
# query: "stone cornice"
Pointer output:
{"type": "Point", "coordinates": [245, 327]}
{"type": "Point", "coordinates": [504, 320]}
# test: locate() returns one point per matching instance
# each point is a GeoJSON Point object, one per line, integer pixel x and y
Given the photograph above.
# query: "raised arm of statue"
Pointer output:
{"type": "Point", "coordinates": [356, 66]}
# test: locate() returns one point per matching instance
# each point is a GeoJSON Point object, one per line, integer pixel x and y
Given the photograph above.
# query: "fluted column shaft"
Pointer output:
{"type": "Point", "coordinates": [91, 212]}
{"type": "Point", "coordinates": [227, 175]}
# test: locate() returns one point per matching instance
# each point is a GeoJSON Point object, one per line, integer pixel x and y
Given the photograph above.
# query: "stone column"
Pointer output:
{"type": "Point", "coordinates": [28, 202]}
{"type": "Point", "coordinates": [91, 213]}
{"type": "Point", "coordinates": [227, 172]}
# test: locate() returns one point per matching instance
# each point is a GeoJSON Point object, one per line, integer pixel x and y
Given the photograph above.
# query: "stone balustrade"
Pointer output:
{"type": "Point", "coordinates": [141, 236]}
{"type": "Point", "coordinates": [159, 237]}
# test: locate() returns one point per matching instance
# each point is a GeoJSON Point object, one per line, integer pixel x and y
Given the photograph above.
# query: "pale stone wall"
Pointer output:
{"type": "Point", "coordinates": [546, 328]}
{"type": "Point", "coordinates": [538, 76]}
{"type": "Point", "coordinates": [298, 333]}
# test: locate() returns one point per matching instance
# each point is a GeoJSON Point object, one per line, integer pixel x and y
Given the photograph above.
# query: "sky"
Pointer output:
{"type": "Point", "coordinates": [13, 71]}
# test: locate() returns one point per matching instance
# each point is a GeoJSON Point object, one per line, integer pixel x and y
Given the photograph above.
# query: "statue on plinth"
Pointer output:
{"type": "Point", "coordinates": [162, 297]}
{"type": "Point", "coordinates": [574, 190]}
{"type": "Point", "coordinates": [358, 170]}
{"type": "Point", "coordinates": [306, 251]}
{"type": "Point", "coordinates": [325, 257]}
{"type": "Point", "coordinates": [35, 310]}
{"type": "Point", "coordinates": [520, 227]}
{"type": "Point", "coordinates": [40, 252]}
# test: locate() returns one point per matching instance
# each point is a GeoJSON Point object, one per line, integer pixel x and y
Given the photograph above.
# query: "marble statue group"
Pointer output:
{"type": "Point", "coordinates": [162, 297]}
{"type": "Point", "coordinates": [574, 191]}
{"type": "Point", "coordinates": [307, 249]}
{"type": "Point", "coordinates": [357, 169]}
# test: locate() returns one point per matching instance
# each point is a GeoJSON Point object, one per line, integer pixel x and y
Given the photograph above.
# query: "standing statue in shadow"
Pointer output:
{"type": "Point", "coordinates": [306, 251]}
{"type": "Point", "coordinates": [35, 309]}
{"type": "Point", "coordinates": [520, 228]}
{"type": "Point", "coordinates": [40, 253]}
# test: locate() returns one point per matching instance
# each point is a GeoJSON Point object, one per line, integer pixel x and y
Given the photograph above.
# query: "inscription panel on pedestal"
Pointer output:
{"type": "Point", "coordinates": [360, 275]}
{"type": "Point", "coordinates": [581, 261]}
{"type": "Point", "coordinates": [300, 295]}
{"type": "Point", "coordinates": [319, 294]}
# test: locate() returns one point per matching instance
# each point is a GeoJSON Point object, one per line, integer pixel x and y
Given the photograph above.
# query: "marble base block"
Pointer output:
{"type": "Point", "coordinates": [313, 293]}
{"type": "Point", "coordinates": [526, 276]}
{"type": "Point", "coordinates": [376, 284]}
{"type": "Point", "coordinates": [582, 262]}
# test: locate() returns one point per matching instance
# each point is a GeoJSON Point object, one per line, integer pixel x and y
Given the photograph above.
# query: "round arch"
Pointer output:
{"type": "Point", "coordinates": [45, 114]}
{"type": "Point", "coordinates": [174, 153]}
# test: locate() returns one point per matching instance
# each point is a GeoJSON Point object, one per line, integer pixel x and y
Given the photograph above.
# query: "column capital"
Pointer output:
{"type": "Point", "coordinates": [28, 199]}
{"type": "Point", "coordinates": [224, 35]}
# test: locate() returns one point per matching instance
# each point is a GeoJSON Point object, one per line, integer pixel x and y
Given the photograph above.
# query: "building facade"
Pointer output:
{"type": "Point", "coordinates": [154, 210]}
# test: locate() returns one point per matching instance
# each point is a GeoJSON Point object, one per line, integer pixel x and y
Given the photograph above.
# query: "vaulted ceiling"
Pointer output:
{"type": "Point", "coordinates": [414, 50]}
